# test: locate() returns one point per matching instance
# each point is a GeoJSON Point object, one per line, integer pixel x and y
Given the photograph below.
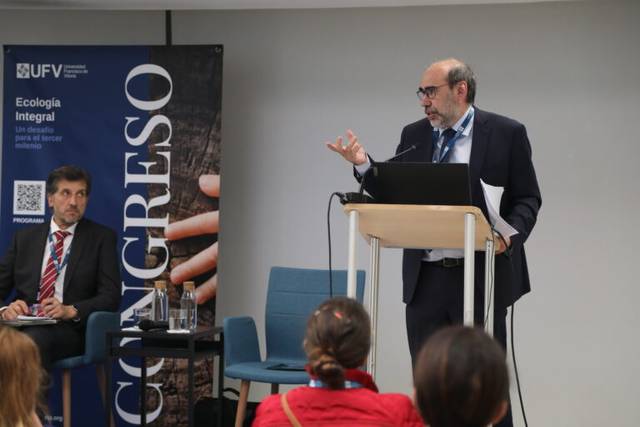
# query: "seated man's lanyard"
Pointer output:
{"type": "Point", "coordinates": [54, 257]}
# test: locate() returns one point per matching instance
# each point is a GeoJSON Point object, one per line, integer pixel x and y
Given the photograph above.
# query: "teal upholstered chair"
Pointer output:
{"type": "Point", "coordinates": [98, 324]}
{"type": "Point", "coordinates": [292, 296]}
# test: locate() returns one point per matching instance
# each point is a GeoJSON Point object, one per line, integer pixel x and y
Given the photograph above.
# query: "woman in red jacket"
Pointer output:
{"type": "Point", "coordinates": [337, 342]}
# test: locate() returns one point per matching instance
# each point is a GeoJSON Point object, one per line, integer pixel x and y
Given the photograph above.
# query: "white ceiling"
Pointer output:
{"type": "Point", "coordinates": [231, 4]}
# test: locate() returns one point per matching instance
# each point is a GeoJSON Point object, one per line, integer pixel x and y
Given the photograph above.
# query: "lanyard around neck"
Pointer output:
{"type": "Point", "coordinates": [316, 383]}
{"type": "Point", "coordinates": [441, 156]}
{"type": "Point", "coordinates": [54, 257]}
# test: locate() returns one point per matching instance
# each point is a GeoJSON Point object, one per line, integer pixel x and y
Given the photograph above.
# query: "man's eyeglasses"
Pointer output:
{"type": "Point", "coordinates": [428, 92]}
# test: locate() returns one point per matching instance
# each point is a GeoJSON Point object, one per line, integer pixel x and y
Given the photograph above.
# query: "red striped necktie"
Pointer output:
{"type": "Point", "coordinates": [48, 281]}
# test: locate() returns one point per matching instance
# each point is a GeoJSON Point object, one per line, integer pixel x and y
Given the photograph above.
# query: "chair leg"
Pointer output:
{"type": "Point", "coordinates": [275, 388]}
{"type": "Point", "coordinates": [100, 374]}
{"type": "Point", "coordinates": [66, 397]}
{"type": "Point", "coordinates": [242, 402]}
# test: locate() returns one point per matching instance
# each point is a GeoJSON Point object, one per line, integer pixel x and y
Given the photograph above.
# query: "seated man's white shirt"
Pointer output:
{"type": "Point", "coordinates": [65, 249]}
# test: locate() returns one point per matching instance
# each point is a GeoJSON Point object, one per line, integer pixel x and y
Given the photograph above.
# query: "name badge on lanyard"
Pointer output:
{"type": "Point", "coordinates": [443, 154]}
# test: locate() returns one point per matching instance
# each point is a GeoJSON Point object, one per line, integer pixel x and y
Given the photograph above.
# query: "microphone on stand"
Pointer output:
{"type": "Point", "coordinates": [360, 197]}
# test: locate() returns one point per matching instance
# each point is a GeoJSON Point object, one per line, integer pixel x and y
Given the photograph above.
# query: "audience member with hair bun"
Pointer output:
{"type": "Point", "coordinates": [461, 379]}
{"type": "Point", "coordinates": [337, 343]}
{"type": "Point", "coordinates": [20, 379]}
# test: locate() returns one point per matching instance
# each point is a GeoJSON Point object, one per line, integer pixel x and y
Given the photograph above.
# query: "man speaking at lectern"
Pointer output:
{"type": "Point", "coordinates": [66, 269]}
{"type": "Point", "coordinates": [498, 152]}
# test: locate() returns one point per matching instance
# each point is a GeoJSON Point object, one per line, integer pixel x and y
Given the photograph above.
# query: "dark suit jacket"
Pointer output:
{"type": "Point", "coordinates": [92, 277]}
{"type": "Point", "coordinates": [500, 156]}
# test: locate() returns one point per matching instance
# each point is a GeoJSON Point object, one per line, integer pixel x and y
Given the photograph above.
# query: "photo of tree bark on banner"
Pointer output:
{"type": "Point", "coordinates": [195, 114]}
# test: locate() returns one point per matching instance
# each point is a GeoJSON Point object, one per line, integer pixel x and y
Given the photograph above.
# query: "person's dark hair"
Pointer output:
{"type": "Point", "coordinates": [460, 378]}
{"type": "Point", "coordinates": [463, 73]}
{"type": "Point", "coordinates": [338, 337]}
{"type": "Point", "coordinates": [67, 173]}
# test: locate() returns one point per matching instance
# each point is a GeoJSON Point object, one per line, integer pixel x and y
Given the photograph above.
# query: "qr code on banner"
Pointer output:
{"type": "Point", "coordinates": [28, 197]}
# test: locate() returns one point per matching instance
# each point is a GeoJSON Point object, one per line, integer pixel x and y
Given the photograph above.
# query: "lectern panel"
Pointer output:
{"type": "Point", "coordinates": [437, 226]}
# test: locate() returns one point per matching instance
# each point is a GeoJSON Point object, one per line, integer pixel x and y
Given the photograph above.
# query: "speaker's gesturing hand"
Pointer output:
{"type": "Point", "coordinates": [352, 152]}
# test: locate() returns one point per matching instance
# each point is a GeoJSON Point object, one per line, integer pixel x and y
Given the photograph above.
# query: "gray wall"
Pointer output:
{"type": "Point", "coordinates": [294, 79]}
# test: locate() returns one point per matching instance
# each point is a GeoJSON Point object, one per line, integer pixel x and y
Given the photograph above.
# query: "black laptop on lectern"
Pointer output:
{"type": "Point", "coordinates": [421, 183]}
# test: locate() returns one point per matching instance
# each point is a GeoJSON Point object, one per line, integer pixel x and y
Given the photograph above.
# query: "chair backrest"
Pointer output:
{"type": "Point", "coordinates": [98, 323]}
{"type": "Point", "coordinates": [292, 296]}
{"type": "Point", "coordinates": [240, 340]}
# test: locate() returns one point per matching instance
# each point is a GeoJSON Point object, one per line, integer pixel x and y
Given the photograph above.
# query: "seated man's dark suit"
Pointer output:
{"type": "Point", "coordinates": [500, 156]}
{"type": "Point", "coordinates": [91, 282]}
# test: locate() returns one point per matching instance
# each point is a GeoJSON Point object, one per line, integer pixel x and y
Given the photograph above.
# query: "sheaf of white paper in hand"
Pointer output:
{"type": "Point", "coordinates": [492, 197]}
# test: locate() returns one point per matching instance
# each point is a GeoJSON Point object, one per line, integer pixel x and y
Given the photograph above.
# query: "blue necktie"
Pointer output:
{"type": "Point", "coordinates": [447, 135]}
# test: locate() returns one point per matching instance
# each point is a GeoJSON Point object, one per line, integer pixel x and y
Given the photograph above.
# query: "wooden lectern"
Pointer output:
{"type": "Point", "coordinates": [418, 227]}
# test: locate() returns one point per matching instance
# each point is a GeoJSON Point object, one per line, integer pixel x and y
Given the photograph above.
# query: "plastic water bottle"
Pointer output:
{"type": "Point", "coordinates": [188, 304]}
{"type": "Point", "coordinates": [160, 302]}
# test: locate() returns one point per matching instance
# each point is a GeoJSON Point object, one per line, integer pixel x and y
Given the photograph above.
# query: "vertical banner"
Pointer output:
{"type": "Point", "coordinates": [146, 123]}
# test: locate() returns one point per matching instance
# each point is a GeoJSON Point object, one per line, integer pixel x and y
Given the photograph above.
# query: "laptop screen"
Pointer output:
{"type": "Point", "coordinates": [420, 183]}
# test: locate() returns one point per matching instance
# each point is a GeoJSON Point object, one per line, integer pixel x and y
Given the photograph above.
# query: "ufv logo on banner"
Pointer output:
{"type": "Point", "coordinates": [37, 71]}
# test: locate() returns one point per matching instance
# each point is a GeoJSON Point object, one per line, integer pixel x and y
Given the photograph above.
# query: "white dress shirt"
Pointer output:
{"type": "Point", "coordinates": [65, 249]}
{"type": "Point", "coordinates": [460, 153]}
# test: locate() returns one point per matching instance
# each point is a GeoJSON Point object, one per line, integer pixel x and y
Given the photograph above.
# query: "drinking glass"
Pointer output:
{"type": "Point", "coordinates": [178, 320]}
{"type": "Point", "coordinates": [141, 313]}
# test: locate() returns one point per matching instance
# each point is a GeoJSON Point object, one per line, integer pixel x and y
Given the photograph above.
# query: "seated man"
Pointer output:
{"type": "Point", "coordinates": [461, 379]}
{"type": "Point", "coordinates": [68, 266]}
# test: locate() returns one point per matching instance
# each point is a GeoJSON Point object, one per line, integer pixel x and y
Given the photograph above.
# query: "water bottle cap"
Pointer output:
{"type": "Point", "coordinates": [189, 286]}
{"type": "Point", "coordinates": [160, 284]}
